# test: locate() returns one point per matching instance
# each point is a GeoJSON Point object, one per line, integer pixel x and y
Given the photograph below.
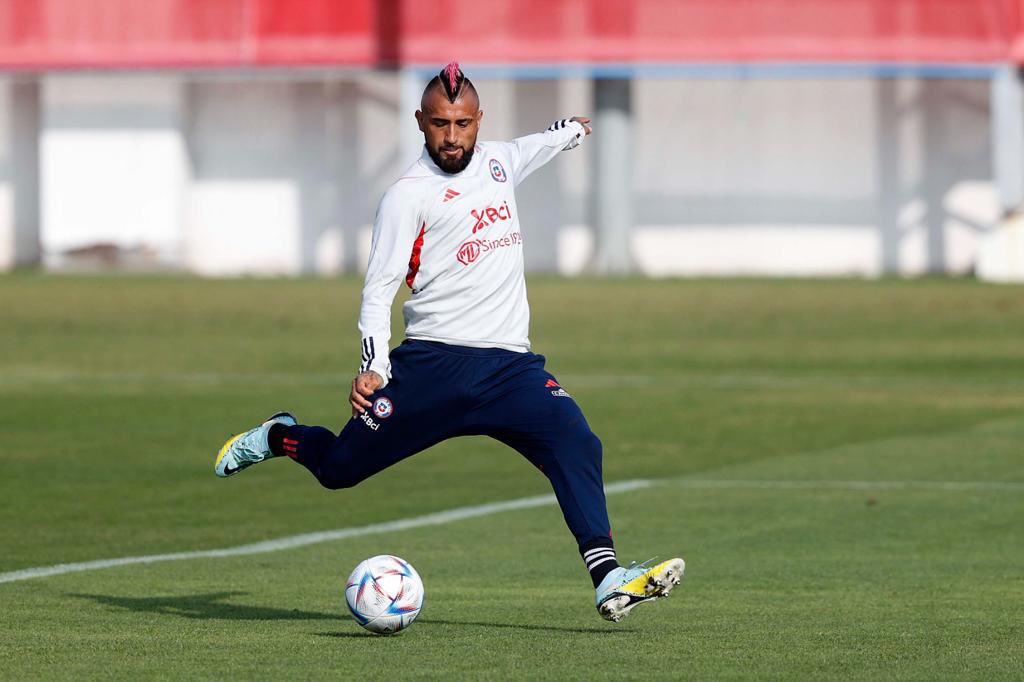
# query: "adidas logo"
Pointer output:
{"type": "Point", "coordinates": [449, 194]}
{"type": "Point", "coordinates": [552, 384]}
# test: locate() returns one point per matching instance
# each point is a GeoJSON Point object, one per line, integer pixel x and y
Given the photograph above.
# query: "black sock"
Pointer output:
{"type": "Point", "coordinates": [275, 438]}
{"type": "Point", "coordinates": [599, 557]}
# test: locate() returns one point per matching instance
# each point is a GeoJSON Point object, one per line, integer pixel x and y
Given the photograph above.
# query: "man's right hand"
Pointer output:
{"type": "Point", "coordinates": [583, 121]}
{"type": "Point", "coordinates": [363, 387]}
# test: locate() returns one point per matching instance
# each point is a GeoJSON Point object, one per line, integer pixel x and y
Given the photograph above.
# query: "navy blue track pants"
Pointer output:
{"type": "Point", "coordinates": [440, 391]}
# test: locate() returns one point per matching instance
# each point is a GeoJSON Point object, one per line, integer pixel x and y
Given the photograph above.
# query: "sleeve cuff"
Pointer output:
{"type": "Point", "coordinates": [579, 135]}
{"type": "Point", "coordinates": [383, 372]}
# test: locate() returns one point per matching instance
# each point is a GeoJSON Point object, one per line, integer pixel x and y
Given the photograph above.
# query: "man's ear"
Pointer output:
{"type": "Point", "coordinates": [420, 118]}
{"type": "Point", "coordinates": [479, 116]}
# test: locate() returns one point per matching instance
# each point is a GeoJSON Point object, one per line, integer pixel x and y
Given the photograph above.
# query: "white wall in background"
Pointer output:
{"type": "Point", "coordinates": [1001, 253]}
{"type": "Point", "coordinates": [575, 249]}
{"type": "Point", "coordinates": [239, 228]}
{"type": "Point", "coordinates": [114, 167]}
{"type": "Point", "coordinates": [280, 172]}
{"type": "Point", "coordinates": [756, 250]}
{"type": "Point", "coordinates": [800, 177]}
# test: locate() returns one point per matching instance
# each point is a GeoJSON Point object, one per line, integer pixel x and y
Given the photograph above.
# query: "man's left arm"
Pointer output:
{"type": "Point", "coordinates": [532, 151]}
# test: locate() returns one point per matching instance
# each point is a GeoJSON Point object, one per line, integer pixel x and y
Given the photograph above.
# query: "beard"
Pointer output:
{"type": "Point", "coordinates": [452, 166]}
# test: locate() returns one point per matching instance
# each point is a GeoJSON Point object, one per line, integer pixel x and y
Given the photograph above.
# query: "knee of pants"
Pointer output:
{"type": "Point", "coordinates": [333, 479]}
{"type": "Point", "coordinates": [586, 445]}
{"type": "Point", "coordinates": [594, 447]}
{"type": "Point", "coordinates": [340, 470]}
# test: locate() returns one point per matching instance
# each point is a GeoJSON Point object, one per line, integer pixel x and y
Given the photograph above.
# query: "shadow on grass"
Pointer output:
{"type": "Point", "coordinates": [213, 606]}
{"type": "Point", "coordinates": [210, 606]}
{"type": "Point", "coordinates": [512, 626]}
{"type": "Point", "coordinates": [609, 630]}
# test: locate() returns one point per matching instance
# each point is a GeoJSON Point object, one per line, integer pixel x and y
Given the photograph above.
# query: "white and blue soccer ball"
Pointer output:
{"type": "Point", "coordinates": [384, 594]}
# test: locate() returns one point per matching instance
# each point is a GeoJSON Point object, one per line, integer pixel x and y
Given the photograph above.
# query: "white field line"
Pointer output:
{"type": "Point", "coordinates": [939, 486]}
{"type": "Point", "coordinates": [293, 541]}
{"type": "Point", "coordinates": [461, 513]}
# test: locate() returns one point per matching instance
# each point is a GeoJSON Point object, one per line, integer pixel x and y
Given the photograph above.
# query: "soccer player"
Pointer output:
{"type": "Point", "coordinates": [449, 228]}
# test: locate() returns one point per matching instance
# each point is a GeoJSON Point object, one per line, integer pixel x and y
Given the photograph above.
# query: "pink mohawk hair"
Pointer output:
{"type": "Point", "coordinates": [452, 78]}
{"type": "Point", "coordinates": [452, 72]}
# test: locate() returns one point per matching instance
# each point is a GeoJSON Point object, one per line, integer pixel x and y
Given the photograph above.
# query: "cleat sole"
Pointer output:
{"type": "Point", "coordinates": [659, 583]}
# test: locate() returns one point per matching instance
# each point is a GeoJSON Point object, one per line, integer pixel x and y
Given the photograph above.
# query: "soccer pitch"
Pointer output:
{"type": "Point", "coordinates": [839, 462]}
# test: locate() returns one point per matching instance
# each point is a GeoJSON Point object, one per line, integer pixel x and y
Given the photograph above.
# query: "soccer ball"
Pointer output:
{"type": "Point", "coordinates": [384, 594]}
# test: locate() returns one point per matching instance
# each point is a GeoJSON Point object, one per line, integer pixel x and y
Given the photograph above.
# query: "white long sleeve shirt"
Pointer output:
{"type": "Point", "coordinates": [455, 240]}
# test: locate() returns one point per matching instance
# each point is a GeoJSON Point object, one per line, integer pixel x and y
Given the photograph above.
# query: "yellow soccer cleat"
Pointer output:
{"type": "Point", "coordinates": [625, 588]}
{"type": "Point", "coordinates": [248, 448]}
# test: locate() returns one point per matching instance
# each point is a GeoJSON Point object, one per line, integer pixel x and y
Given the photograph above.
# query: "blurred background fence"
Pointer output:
{"type": "Point", "coordinates": [735, 137]}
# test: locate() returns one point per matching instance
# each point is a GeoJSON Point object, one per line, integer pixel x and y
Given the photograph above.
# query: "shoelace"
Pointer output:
{"type": "Point", "coordinates": [247, 453]}
{"type": "Point", "coordinates": [642, 564]}
{"type": "Point", "coordinates": [636, 569]}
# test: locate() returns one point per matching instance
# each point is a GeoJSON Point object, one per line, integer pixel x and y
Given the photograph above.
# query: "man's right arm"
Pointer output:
{"type": "Point", "coordinates": [394, 231]}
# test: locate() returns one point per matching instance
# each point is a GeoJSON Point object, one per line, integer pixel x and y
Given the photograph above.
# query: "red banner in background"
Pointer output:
{"type": "Point", "coordinates": [54, 34]}
{"type": "Point", "coordinates": [182, 33]}
{"type": "Point", "coordinates": [959, 31]}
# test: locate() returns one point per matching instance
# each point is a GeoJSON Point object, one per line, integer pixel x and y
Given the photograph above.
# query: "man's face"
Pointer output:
{"type": "Point", "coordinates": [450, 130]}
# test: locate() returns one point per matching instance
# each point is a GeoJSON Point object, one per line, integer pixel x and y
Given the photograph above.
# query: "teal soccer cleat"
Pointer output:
{"type": "Point", "coordinates": [249, 448]}
{"type": "Point", "coordinates": [625, 588]}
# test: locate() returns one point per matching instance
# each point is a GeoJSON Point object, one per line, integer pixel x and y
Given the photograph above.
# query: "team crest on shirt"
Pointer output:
{"type": "Point", "coordinates": [383, 408]}
{"type": "Point", "coordinates": [497, 170]}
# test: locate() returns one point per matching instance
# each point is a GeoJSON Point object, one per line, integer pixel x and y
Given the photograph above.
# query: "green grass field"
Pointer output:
{"type": "Point", "coordinates": [841, 464]}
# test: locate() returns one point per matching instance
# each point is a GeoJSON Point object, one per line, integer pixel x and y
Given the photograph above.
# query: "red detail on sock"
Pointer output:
{"type": "Point", "coordinates": [552, 384]}
{"type": "Point", "coordinates": [289, 441]}
{"type": "Point", "coordinates": [414, 259]}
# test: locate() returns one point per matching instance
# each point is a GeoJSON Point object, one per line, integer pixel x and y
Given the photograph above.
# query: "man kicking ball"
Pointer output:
{"type": "Point", "coordinates": [449, 227]}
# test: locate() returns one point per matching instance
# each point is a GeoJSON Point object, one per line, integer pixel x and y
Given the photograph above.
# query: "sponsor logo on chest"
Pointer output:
{"type": "Point", "coordinates": [488, 216]}
{"type": "Point", "coordinates": [474, 248]}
